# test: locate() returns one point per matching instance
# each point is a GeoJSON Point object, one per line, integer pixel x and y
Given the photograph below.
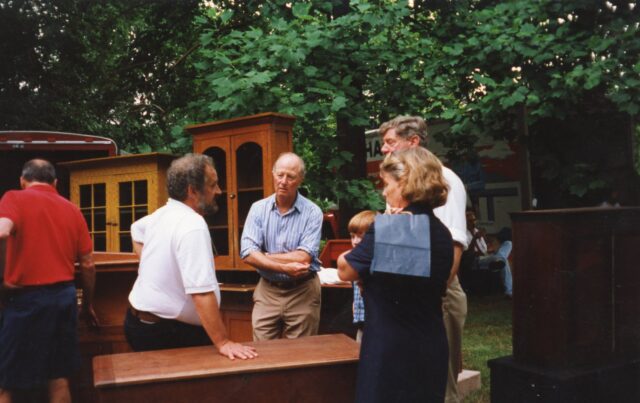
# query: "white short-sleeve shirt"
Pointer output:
{"type": "Point", "coordinates": [452, 214]}
{"type": "Point", "coordinates": [176, 261]}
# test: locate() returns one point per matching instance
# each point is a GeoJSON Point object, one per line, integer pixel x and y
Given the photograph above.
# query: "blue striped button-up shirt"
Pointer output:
{"type": "Point", "coordinates": [268, 231]}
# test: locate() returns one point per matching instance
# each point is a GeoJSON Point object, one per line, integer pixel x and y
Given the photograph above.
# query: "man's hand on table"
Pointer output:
{"type": "Point", "coordinates": [234, 350]}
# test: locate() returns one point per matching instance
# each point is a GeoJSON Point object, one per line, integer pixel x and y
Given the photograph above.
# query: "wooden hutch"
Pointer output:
{"type": "Point", "coordinates": [113, 192]}
{"type": "Point", "coordinates": [244, 150]}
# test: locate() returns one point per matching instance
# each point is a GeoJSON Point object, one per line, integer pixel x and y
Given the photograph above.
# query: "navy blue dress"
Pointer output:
{"type": "Point", "coordinates": [404, 353]}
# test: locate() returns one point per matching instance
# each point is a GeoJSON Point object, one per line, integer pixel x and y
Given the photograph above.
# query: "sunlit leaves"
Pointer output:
{"type": "Point", "coordinates": [473, 63]}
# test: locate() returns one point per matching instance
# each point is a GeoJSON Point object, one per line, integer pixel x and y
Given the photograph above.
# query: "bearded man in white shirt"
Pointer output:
{"type": "Point", "coordinates": [175, 301]}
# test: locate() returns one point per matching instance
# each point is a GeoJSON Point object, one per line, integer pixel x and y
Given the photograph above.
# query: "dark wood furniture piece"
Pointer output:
{"type": "Point", "coordinates": [576, 308]}
{"type": "Point", "coordinates": [311, 369]}
{"type": "Point", "coordinates": [18, 147]}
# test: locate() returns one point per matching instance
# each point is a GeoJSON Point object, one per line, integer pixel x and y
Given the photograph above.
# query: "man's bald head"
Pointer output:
{"type": "Point", "coordinates": [39, 170]}
{"type": "Point", "coordinates": [291, 160]}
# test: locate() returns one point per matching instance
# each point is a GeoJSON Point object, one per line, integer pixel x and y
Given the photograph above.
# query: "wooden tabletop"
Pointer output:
{"type": "Point", "coordinates": [201, 362]}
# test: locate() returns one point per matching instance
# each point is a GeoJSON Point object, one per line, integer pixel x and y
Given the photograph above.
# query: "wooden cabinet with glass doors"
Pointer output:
{"type": "Point", "coordinates": [114, 192]}
{"type": "Point", "coordinates": [244, 151]}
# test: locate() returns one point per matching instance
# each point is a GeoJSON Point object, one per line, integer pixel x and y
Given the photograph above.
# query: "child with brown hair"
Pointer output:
{"type": "Point", "coordinates": [358, 226]}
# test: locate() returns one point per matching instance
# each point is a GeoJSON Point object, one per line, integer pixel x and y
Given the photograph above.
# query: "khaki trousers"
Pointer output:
{"type": "Point", "coordinates": [454, 313]}
{"type": "Point", "coordinates": [286, 313]}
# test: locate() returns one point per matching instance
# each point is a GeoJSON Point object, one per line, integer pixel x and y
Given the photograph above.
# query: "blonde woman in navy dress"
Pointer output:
{"type": "Point", "coordinates": [404, 262]}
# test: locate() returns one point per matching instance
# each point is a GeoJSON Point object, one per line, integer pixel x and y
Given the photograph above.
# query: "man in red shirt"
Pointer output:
{"type": "Point", "coordinates": [42, 236]}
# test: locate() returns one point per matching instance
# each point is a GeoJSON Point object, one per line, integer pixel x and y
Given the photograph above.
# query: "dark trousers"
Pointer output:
{"type": "Point", "coordinates": [38, 339]}
{"type": "Point", "coordinates": [164, 334]}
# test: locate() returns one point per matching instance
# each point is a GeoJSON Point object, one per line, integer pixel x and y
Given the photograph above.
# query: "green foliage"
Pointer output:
{"type": "Point", "coordinates": [476, 64]}
{"type": "Point", "coordinates": [543, 54]}
{"type": "Point", "coordinates": [560, 61]}
{"type": "Point", "coordinates": [331, 190]}
{"type": "Point", "coordinates": [309, 62]}
{"type": "Point", "coordinates": [114, 69]}
{"type": "Point", "coordinates": [139, 71]}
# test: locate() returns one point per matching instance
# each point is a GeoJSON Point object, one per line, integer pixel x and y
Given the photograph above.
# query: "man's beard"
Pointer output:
{"type": "Point", "coordinates": [208, 209]}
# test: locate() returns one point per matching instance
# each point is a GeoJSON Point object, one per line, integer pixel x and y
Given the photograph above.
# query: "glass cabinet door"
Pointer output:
{"type": "Point", "coordinates": [133, 204]}
{"type": "Point", "coordinates": [250, 187]}
{"type": "Point", "coordinates": [93, 205]}
{"type": "Point", "coordinates": [110, 208]}
{"type": "Point", "coordinates": [219, 222]}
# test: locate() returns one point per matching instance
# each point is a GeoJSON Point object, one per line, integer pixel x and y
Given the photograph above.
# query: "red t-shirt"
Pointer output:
{"type": "Point", "coordinates": [49, 235]}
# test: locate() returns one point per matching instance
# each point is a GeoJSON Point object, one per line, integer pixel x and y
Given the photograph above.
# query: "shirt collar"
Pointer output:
{"type": "Point", "coordinates": [297, 205]}
{"type": "Point", "coordinates": [178, 204]}
{"type": "Point", "coordinates": [45, 187]}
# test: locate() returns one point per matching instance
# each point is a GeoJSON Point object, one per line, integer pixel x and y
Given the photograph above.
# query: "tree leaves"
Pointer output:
{"type": "Point", "coordinates": [338, 103]}
{"type": "Point", "coordinates": [115, 69]}
{"type": "Point", "coordinates": [301, 10]}
{"type": "Point", "coordinates": [314, 64]}
{"type": "Point", "coordinates": [226, 15]}
{"type": "Point", "coordinates": [138, 71]}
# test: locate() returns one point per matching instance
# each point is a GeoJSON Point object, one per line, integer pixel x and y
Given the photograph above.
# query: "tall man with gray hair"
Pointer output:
{"type": "Point", "coordinates": [280, 239]}
{"type": "Point", "coordinates": [175, 301]}
{"type": "Point", "coordinates": [411, 131]}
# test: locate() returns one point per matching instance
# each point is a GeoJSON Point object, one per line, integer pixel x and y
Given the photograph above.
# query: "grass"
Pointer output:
{"type": "Point", "coordinates": [487, 335]}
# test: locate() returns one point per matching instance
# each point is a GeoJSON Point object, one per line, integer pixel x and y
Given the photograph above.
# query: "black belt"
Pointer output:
{"type": "Point", "coordinates": [289, 284]}
{"type": "Point", "coordinates": [145, 316]}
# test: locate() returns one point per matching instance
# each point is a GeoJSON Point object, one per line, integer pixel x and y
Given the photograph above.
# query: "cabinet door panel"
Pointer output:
{"type": "Point", "coordinates": [131, 202]}
{"type": "Point", "coordinates": [248, 172]}
{"type": "Point", "coordinates": [91, 196]}
{"type": "Point", "coordinates": [111, 205]}
{"type": "Point", "coordinates": [221, 223]}
{"type": "Point", "coordinates": [239, 326]}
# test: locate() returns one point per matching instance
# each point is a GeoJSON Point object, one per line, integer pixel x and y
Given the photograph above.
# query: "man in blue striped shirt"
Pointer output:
{"type": "Point", "coordinates": [280, 239]}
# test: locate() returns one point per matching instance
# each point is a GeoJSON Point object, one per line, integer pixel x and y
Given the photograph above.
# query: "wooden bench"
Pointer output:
{"type": "Point", "coordinates": [311, 369]}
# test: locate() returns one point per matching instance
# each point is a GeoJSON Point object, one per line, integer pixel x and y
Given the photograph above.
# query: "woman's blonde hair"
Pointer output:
{"type": "Point", "coordinates": [419, 173]}
{"type": "Point", "coordinates": [361, 222]}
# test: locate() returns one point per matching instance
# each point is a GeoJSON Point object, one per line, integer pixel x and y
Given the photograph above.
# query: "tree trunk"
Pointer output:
{"type": "Point", "coordinates": [350, 138]}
